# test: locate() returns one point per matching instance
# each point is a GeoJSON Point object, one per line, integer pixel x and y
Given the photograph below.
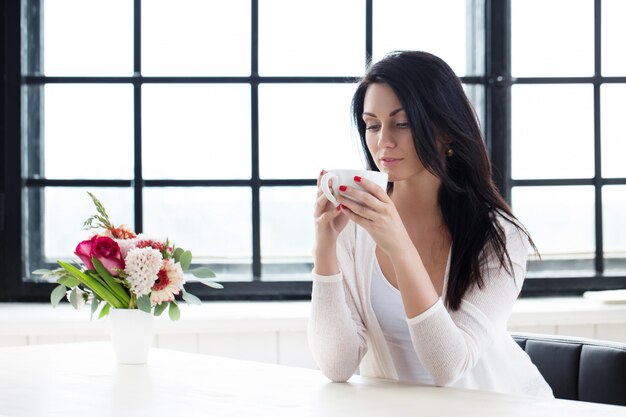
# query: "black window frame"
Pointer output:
{"type": "Point", "coordinates": [497, 82]}
{"type": "Point", "coordinates": [556, 284]}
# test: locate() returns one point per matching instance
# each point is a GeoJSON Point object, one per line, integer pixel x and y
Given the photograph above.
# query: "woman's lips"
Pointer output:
{"type": "Point", "coordinates": [387, 162]}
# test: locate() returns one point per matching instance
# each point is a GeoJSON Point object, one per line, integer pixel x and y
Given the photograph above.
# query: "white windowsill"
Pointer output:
{"type": "Point", "coordinates": [224, 317]}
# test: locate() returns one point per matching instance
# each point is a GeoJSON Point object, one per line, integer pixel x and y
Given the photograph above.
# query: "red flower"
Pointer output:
{"type": "Point", "coordinates": [162, 281]}
{"type": "Point", "coordinates": [151, 244]}
{"type": "Point", "coordinates": [104, 249]}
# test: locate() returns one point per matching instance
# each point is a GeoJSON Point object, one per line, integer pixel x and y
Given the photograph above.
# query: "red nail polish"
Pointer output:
{"type": "Point", "coordinates": [323, 172]}
{"type": "Point", "coordinates": [343, 206]}
{"type": "Point", "coordinates": [342, 188]}
{"type": "Point", "coordinates": [357, 178]}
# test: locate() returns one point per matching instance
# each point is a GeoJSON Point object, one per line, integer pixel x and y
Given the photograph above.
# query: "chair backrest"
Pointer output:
{"type": "Point", "coordinates": [577, 368]}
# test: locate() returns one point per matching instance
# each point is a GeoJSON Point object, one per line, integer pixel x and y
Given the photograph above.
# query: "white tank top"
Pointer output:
{"type": "Point", "coordinates": [389, 310]}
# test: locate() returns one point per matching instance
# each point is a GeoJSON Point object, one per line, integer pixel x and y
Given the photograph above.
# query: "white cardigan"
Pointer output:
{"type": "Point", "coordinates": [468, 348]}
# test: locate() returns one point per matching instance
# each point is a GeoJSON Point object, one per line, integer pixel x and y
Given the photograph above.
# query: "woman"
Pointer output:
{"type": "Point", "coordinates": [416, 283]}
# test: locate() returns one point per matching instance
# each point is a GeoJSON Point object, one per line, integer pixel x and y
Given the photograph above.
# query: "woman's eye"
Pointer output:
{"type": "Point", "coordinates": [372, 127]}
{"type": "Point", "coordinates": [403, 125]}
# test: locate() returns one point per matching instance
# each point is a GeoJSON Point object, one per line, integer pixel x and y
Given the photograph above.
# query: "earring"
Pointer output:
{"type": "Point", "coordinates": [449, 152]}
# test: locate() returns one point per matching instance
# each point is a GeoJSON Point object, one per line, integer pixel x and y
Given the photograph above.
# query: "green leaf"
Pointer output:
{"type": "Point", "coordinates": [211, 284]}
{"type": "Point", "coordinates": [68, 281]}
{"type": "Point", "coordinates": [57, 295]}
{"type": "Point", "coordinates": [117, 289]}
{"type": "Point", "coordinates": [191, 299]}
{"type": "Point", "coordinates": [93, 284]}
{"type": "Point", "coordinates": [177, 253]}
{"type": "Point", "coordinates": [159, 308]}
{"type": "Point", "coordinates": [143, 303]}
{"type": "Point", "coordinates": [202, 272]}
{"type": "Point", "coordinates": [102, 219]}
{"type": "Point", "coordinates": [105, 310]}
{"type": "Point", "coordinates": [94, 306]}
{"type": "Point", "coordinates": [41, 271]}
{"type": "Point", "coordinates": [174, 311]}
{"type": "Point", "coordinates": [74, 298]}
{"type": "Point", "coordinates": [185, 260]}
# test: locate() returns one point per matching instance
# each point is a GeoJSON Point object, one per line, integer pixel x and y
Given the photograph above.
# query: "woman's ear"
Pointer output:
{"type": "Point", "coordinates": [444, 145]}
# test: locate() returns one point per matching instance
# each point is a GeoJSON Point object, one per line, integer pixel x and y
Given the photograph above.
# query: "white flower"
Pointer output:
{"type": "Point", "coordinates": [142, 267]}
{"type": "Point", "coordinates": [126, 245]}
{"type": "Point", "coordinates": [169, 283]}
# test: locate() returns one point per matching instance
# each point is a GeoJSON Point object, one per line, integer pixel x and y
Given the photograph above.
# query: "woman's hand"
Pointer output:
{"type": "Point", "coordinates": [373, 210]}
{"type": "Point", "coordinates": [329, 222]}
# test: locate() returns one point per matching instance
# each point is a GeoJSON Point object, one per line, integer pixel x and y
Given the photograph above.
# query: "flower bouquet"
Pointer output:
{"type": "Point", "coordinates": [123, 270]}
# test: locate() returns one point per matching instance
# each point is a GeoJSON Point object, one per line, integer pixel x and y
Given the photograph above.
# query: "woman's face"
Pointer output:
{"type": "Point", "coordinates": [388, 135]}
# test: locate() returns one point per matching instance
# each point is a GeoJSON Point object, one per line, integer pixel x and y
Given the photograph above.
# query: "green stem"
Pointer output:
{"type": "Point", "coordinates": [133, 301]}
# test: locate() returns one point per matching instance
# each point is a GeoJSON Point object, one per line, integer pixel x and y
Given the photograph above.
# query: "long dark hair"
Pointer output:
{"type": "Point", "coordinates": [438, 109]}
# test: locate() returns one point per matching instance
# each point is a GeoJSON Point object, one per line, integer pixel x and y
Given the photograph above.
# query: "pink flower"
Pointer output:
{"type": "Point", "coordinates": [104, 249]}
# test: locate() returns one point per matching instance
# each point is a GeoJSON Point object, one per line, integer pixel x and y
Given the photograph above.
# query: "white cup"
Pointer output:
{"type": "Point", "coordinates": [346, 177]}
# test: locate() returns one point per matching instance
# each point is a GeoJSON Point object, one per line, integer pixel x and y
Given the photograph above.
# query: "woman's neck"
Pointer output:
{"type": "Point", "coordinates": [416, 200]}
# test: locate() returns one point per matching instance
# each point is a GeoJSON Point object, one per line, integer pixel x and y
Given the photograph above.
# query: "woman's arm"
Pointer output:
{"type": "Point", "coordinates": [448, 344]}
{"type": "Point", "coordinates": [335, 331]}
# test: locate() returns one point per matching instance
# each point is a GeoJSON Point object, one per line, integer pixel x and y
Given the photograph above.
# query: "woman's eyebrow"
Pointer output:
{"type": "Point", "coordinates": [390, 114]}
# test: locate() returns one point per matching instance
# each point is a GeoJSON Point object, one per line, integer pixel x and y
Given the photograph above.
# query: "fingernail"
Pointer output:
{"type": "Point", "coordinates": [343, 207]}
{"type": "Point", "coordinates": [323, 172]}
{"type": "Point", "coordinates": [338, 208]}
{"type": "Point", "coordinates": [342, 188]}
{"type": "Point", "coordinates": [357, 178]}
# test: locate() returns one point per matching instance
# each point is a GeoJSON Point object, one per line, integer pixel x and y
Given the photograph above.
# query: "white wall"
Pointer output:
{"type": "Point", "coordinates": [275, 332]}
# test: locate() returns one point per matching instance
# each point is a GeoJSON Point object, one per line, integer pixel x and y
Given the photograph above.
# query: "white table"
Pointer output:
{"type": "Point", "coordinates": [83, 379]}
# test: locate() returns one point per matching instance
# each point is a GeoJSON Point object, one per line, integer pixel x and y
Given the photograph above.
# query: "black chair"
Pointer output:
{"type": "Point", "coordinates": [577, 368]}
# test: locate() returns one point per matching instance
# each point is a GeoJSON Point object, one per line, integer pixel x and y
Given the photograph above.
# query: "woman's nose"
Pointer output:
{"type": "Point", "coordinates": [385, 138]}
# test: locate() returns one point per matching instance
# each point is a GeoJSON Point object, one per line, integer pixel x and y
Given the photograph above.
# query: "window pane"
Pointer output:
{"type": "Point", "coordinates": [476, 95]}
{"type": "Point", "coordinates": [305, 128]}
{"type": "Point", "coordinates": [287, 233]}
{"type": "Point", "coordinates": [614, 206]}
{"type": "Point", "coordinates": [65, 209]}
{"type": "Point", "coordinates": [195, 37]}
{"type": "Point", "coordinates": [87, 37]}
{"type": "Point", "coordinates": [613, 37]}
{"type": "Point", "coordinates": [321, 38]}
{"type": "Point", "coordinates": [552, 38]}
{"type": "Point", "coordinates": [439, 27]}
{"type": "Point", "coordinates": [613, 132]}
{"type": "Point", "coordinates": [88, 131]}
{"type": "Point", "coordinates": [561, 222]}
{"type": "Point", "coordinates": [196, 131]}
{"type": "Point", "coordinates": [552, 131]}
{"type": "Point", "coordinates": [213, 223]}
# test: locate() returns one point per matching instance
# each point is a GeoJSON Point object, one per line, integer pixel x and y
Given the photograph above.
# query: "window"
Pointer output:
{"type": "Point", "coordinates": [567, 184]}
{"type": "Point", "coordinates": [207, 122]}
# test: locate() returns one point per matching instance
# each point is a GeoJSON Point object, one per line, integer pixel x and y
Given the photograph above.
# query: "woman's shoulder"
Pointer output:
{"type": "Point", "coordinates": [508, 223]}
{"type": "Point", "coordinates": [513, 232]}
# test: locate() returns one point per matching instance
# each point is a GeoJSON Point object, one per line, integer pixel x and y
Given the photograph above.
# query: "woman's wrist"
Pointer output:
{"type": "Point", "coordinates": [325, 260]}
{"type": "Point", "coordinates": [407, 254]}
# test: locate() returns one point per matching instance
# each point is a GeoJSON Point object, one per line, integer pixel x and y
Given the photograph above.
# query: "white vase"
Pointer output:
{"type": "Point", "coordinates": [132, 332]}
